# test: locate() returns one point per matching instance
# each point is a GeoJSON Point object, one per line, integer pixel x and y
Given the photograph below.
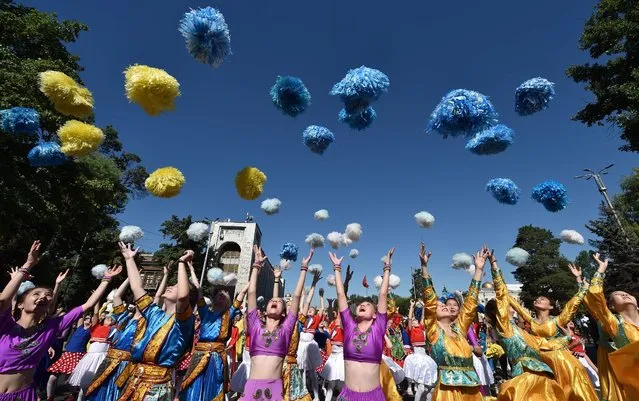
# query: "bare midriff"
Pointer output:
{"type": "Point", "coordinates": [266, 367]}
{"type": "Point", "coordinates": [361, 376]}
{"type": "Point", "coordinates": [11, 382]}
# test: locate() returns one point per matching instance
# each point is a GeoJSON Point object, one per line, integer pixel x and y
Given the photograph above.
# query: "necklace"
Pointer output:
{"type": "Point", "coordinates": [361, 338]}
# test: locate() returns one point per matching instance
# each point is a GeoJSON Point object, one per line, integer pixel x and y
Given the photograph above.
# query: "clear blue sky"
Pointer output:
{"type": "Point", "coordinates": [380, 177]}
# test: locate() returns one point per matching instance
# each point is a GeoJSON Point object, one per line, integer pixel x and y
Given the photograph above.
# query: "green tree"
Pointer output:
{"type": "Point", "coordinates": [71, 208]}
{"type": "Point", "coordinates": [546, 272]}
{"type": "Point", "coordinates": [417, 287]}
{"type": "Point", "coordinates": [612, 33]}
{"type": "Point", "coordinates": [586, 262]}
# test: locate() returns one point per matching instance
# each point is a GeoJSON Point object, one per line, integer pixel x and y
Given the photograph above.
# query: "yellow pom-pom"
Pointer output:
{"type": "Point", "coordinates": [79, 139]}
{"type": "Point", "coordinates": [250, 183]}
{"type": "Point", "coordinates": [152, 88]}
{"type": "Point", "coordinates": [68, 97]}
{"type": "Point", "coordinates": [494, 351]}
{"type": "Point", "coordinates": [165, 182]}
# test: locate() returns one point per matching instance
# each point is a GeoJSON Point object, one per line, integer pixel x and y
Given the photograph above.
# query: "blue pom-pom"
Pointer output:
{"type": "Point", "coordinates": [207, 35]}
{"type": "Point", "coordinates": [20, 120]}
{"type": "Point", "coordinates": [533, 95]}
{"type": "Point", "coordinates": [504, 190]}
{"type": "Point", "coordinates": [358, 120]}
{"type": "Point", "coordinates": [289, 251]}
{"type": "Point", "coordinates": [462, 112]}
{"type": "Point", "coordinates": [491, 141]}
{"type": "Point", "coordinates": [551, 194]}
{"type": "Point", "coordinates": [46, 154]}
{"type": "Point", "coordinates": [361, 84]}
{"type": "Point", "coordinates": [317, 138]}
{"type": "Point", "coordinates": [290, 95]}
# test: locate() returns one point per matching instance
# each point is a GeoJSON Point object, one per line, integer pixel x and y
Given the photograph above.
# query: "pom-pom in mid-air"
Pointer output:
{"type": "Point", "coordinates": [229, 279]}
{"type": "Point", "coordinates": [353, 253]}
{"type": "Point", "coordinates": [165, 182]}
{"type": "Point", "coordinates": [79, 139]}
{"type": "Point", "coordinates": [20, 120]}
{"type": "Point", "coordinates": [197, 231]}
{"type": "Point", "coordinates": [46, 154]}
{"type": "Point", "coordinates": [335, 239]}
{"type": "Point", "coordinates": [462, 112]}
{"type": "Point", "coordinates": [491, 141]}
{"type": "Point", "coordinates": [551, 194]}
{"type": "Point", "coordinates": [317, 138]}
{"type": "Point", "coordinates": [321, 215]}
{"type": "Point", "coordinates": [461, 261]}
{"type": "Point", "coordinates": [290, 95]}
{"type": "Point", "coordinates": [358, 120]}
{"type": "Point", "coordinates": [215, 275]}
{"type": "Point", "coordinates": [98, 271]}
{"type": "Point", "coordinates": [361, 85]}
{"type": "Point", "coordinates": [353, 231]}
{"type": "Point", "coordinates": [271, 206]}
{"type": "Point", "coordinates": [330, 280]}
{"type": "Point", "coordinates": [572, 237]}
{"type": "Point", "coordinates": [130, 234]}
{"type": "Point", "coordinates": [315, 240]}
{"type": "Point", "coordinates": [377, 281]}
{"type": "Point", "coordinates": [533, 95]}
{"type": "Point", "coordinates": [249, 183]}
{"type": "Point", "coordinates": [207, 35]}
{"type": "Point", "coordinates": [504, 190]}
{"type": "Point", "coordinates": [315, 269]}
{"type": "Point", "coordinates": [517, 257]}
{"type": "Point", "coordinates": [152, 88]}
{"type": "Point", "coordinates": [289, 251]}
{"type": "Point", "coordinates": [424, 219]}
{"type": "Point", "coordinates": [393, 281]}
{"type": "Point", "coordinates": [68, 97]}
{"type": "Point", "coordinates": [27, 285]}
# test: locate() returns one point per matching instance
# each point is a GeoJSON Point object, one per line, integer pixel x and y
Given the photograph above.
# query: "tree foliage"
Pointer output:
{"type": "Point", "coordinates": [71, 208]}
{"type": "Point", "coordinates": [612, 35]}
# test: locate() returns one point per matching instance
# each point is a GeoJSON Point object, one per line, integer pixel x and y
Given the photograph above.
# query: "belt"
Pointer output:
{"type": "Point", "coordinates": [142, 378]}
{"type": "Point", "coordinates": [118, 354]}
{"type": "Point", "coordinates": [211, 347]}
{"type": "Point", "coordinates": [200, 359]}
{"type": "Point", "coordinates": [460, 368]}
{"type": "Point", "coordinates": [291, 359]}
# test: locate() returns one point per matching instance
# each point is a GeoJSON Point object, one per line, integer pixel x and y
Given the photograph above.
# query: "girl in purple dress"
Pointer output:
{"type": "Point", "coordinates": [25, 341]}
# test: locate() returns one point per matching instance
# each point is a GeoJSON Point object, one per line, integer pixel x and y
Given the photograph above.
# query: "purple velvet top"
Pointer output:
{"type": "Point", "coordinates": [367, 346]}
{"type": "Point", "coordinates": [264, 342]}
{"type": "Point", "coordinates": [472, 337]}
{"type": "Point", "coordinates": [22, 349]}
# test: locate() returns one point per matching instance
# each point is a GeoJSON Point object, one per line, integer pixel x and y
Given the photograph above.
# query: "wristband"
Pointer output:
{"type": "Point", "coordinates": [257, 266]}
{"type": "Point", "coordinates": [304, 268]}
{"type": "Point", "coordinates": [107, 279]}
{"type": "Point", "coordinates": [277, 280]}
{"type": "Point", "coordinates": [24, 270]}
{"type": "Point", "coordinates": [337, 268]}
{"type": "Point", "coordinates": [181, 261]}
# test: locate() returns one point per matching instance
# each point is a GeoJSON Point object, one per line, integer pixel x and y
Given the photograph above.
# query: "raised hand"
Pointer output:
{"type": "Point", "coordinates": [335, 260]}
{"type": "Point", "coordinates": [61, 276]}
{"type": "Point", "coordinates": [277, 272]}
{"type": "Point", "coordinates": [112, 271]}
{"type": "Point", "coordinates": [349, 274]}
{"type": "Point", "coordinates": [491, 257]}
{"type": "Point", "coordinates": [127, 251]}
{"type": "Point", "coordinates": [167, 268]}
{"type": "Point", "coordinates": [424, 256]}
{"type": "Point", "coordinates": [34, 254]}
{"type": "Point", "coordinates": [308, 259]}
{"type": "Point", "coordinates": [388, 259]}
{"type": "Point", "coordinates": [566, 332]}
{"type": "Point", "coordinates": [187, 256]}
{"type": "Point", "coordinates": [258, 256]}
{"type": "Point", "coordinates": [16, 272]}
{"type": "Point", "coordinates": [316, 278]}
{"type": "Point", "coordinates": [412, 302]}
{"type": "Point", "coordinates": [576, 271]}
{"type": "Point", "coordinates": [603, 264]}
{"type": "Point", "coordinates": [480, 258]}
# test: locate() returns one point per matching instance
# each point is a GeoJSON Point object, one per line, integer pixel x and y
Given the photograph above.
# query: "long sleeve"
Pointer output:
{"type": "Point", "coordinates": [542, 344]}
{"type": "Point", "coordinates": [570, 310]}
{"type": "Point", "coordinates": [469, 308]}
{"type": "Point", "coordinates": [521, 311]}
{"type": "Point", "coordinates": [430, 311]}
{"type": "Point", "coordinates": [595, 302]}
{"type": "Point", "coordinates": [503, 304]}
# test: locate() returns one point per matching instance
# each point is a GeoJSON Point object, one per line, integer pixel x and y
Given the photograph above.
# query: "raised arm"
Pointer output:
{"type": "Point", "coordinates": [411, 314]}
{"type": "Point", "coordinates": [119, 293]}
{"type": "Point", "coordinates": [277, 275]}
{"type": "Point", "coordinates": [11, 289]}
{"type": "Point", "coordinates": [347, 280]}
{"type": "Point", "coordinates": [95, 317]}
{"type": "Point", "coordinates": [382, 298]}
{"type": "Point", "coordinates": [309, 297]}
{"type": "Point", "coordinates": [570, 309]}
{"type": "Point", "coordinates": [239, 298]}
{"type": "Point", "coordinates": [595, 300]}
{"type": "Point", "coordinates": [295, 303]}
{"type": "Point", "coordinates": [502, 324]}
{"type": "Point", "coordinates": [322, 309]}
{"type": "Point", "coordinates": [183, 288]}
{"type": "Point", "coordinates": [429, 298]}
{"type": "Point", "coordinates": [469, 308]}
{"type": "Point", "coordinates": [258, 262]}
{"type": "Point", "coordinates": [56, 291]}
{"type": "Point", "coordinates": [135, 281]}
{"type": "Point", "coordinates": [99, 292]}
{"type": "Point", "coordinates": [521, 311]}
{"type": "Point", "coordinates": [342, 301]}
{"type": "Point", "coordinates": [195, 282]}
{"type": "Point", "coordinates": [162, 287]}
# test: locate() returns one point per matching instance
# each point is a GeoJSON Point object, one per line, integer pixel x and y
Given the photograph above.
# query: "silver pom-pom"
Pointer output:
{"type": "Point", "coordinates": [394, 281]}
{"type": "Point", "coordinates": [229, 279]}
{"type": "Point", "coordinates": [271, 206]}
{"type": "Point", "coordinates": [321, 215]}
{"type": "Point", "coordinates": [461, 261]}
{"type": "Point", "coordinates": [215, 276]}
{"type": "Point", "coordinates": [353, 253]}
{"type": "Point", "coordinates": [130, 234]}
{"type": "Point", "coordinates": [98, 271]}
{"type": "Point", "coordinates": [315, 269]}
{"type": "Point", "coordinates": [27, 285]}
{"type": "Point", "coordinates": [330, 280]}
{"type": "Point", "coordinates": [425, 219]}
{"type": "Point", "coordinates": [197, 231]}
{"type": "Point", "coordinates": [572, 237]}
{"type": "Point", "coordinates": [315, 240]}
{"type": "Point", "coordinates": [378, 282]}
{"type": "Point", "coordinates": [353, 231]}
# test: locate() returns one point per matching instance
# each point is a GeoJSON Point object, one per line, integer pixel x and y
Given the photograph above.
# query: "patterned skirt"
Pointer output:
{"type": "Point", "coordinates": [67, 362]}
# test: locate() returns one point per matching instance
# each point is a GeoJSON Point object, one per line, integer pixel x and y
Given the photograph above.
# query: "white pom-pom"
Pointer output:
{"type": "Point", "coordinates": [271, 206]}
{"type": "Point", "coordinates": [461, 261]}
{"type": "Point", "coordinates": [378, 282]}
{"type": "Point", "coordinates": [471, 270]}
{"type": "Point", "coordinates": [98, 271]}
{"type": "Point", "coordinates": [285, 264]}
{"type": "Point", "coordinates": [330, 280]}
{"type": "Point", "coordinates": [25, 286]}
{"type": "Point", "coordinates": [383, 259]}
{"type": "Point", "coordinates": [353, 253]}
{"type": "Point", "coordinates": [197, 231]}
{"type": "Point", "coordinates": [335, 239]}
{"type": "Point", "coordinates": [353, 231]}
{"type": "Point", "coordinates": [425, 219]}
{"type": "Point", "coordinates": [111, 296]}
{"type": "Point", "coordinates": [517, 257]}
{"type": "Point", "coordinates": [315, 269]}
{"type": "Point", "coordinates": [208, 301]}
{"type": "Point", "coordinates": [572, 237]}
{"type": "Point", "coordinates": [229, 279]}
{"type": "Point", "coordinates": [215, 275]}
{"type": "Point", "coordinates": [260, 300]}
{"type": "Point", "coordinates": [321, 215]}
{"type": "Point", "coordinates": [346, 241]}
{"type": "Point", "coordinates": [315, 240]}
{"type": "Point", "coordinates": [130, 234]}
{"type": "Point", "coordinates": [394, 281]}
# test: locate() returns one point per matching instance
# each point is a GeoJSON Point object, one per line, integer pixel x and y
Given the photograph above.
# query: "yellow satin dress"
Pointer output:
{"type": "Point", "coordinates": [621, 332]}
{"type": "Point", "coordinates": [569, 373]}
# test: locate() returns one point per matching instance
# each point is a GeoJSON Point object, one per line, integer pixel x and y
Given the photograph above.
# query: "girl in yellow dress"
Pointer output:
{"type": "Point", "coordinates": [620, 323]}
{"type": "Point", "coordinates": [569, 372]}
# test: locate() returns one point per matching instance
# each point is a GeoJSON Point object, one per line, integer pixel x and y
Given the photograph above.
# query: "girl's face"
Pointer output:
{"type": "Point", "coordinates": [311, 312]}
{"type": "Point", "coordinates": [453, 307]}
{"type": "Point", "coordinates": [275, 308]}
{"type": "Point", "coordinates": [365, 311]}
{"type": "Point", "coordinates": [415, 323]}
{"type": "Point", "coordinates": [542, 303]}
{"type": "Point", "coordinates": [170, 294]}
{"type": "Point", "coordinates": [108, 321]}
{"type": "Point", "coordinates": [222, 301]}
{"type": "Point", "coordinates": [36, 300]}
{"type": "Point", "coordinates": [619, 300]}
{"type": "Point", "coordinates": [443, 311]}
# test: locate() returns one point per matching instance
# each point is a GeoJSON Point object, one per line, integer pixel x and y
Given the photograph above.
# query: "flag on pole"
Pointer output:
{"type": "Point", "coordinates": [365, 283]}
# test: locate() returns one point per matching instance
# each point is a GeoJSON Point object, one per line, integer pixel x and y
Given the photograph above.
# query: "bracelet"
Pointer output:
{"type": "Point", "coordinates": [107, 279]}
{"type": "Point", "coordinates": [181, 261]}
{"type": "Point", "coordinates": [24, 270]}
{"type": "Point", "coordinates": [277, 280]}
{"type": "Point", "coordinates": [387, 268]}
{"type": "Point", "coordinates": [304, 268]}
{"type": "Point", "coordinates": [257, 266]}
{"type": "Point", "coordinates": [337, 268]}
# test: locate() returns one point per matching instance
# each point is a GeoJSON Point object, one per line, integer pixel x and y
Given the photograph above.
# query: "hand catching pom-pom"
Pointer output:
{"type": "Point", "coordinates": [551, 194]}
{"type": "Point", "coordinates": [425, 219]}
{"type": "Point", "coordinates": [271, 206]}
{"type": "Point", "coordinates": [197, 231]}
{"type": "Point", "coordinates": [289, 251]}
{"type": "Point", "coordinates": [130, 234]}
{"type": "Point", "coordinates": [353, 253]}
{"type": "Point", "coordinates": [533, 95]}
{"type": "Point", "coordinates": [517, 257]}
{"type": "Point", "coordinates": [152, 88]}
{"type": "Point", "coordinates": [249, 183]}
{"type": "Point", "coordinates": [79, 139]}
{"type": "Point", "coordinates": [321, 215]}
{"type": "Point", "coordinates": [462, 112]}
{"type": "Point", "coordinates": [165, 182]}
{"type": "Point", "coordinates": [461, 261]}
{"type": "Point", "coordinates": [358, 120]}
{"type": "Point", "coordinates": [504, 190]}
{"type": "Point", "coordinates": [68, 97]}
{"type": "Point", "coordinates": [491, 141]}
{"type": "Point", "coordinates": [315, 240]}
{"type": "Point", "coordinates": [98, 271]}
{"type": "Point", "coordinates": [361, 84]}
{"type": "Point", "coordinates": [317, 138]}
{"type": "Point", "coordinates": [20, 120]}
{"type": "Point", "coordinates": [46, 154]}
{"type": "Point", "coordinates": [572, 237]}
{"type": "Point", "coordinates": [207, 35]}
{"type": "Point", "coordinates": [290, 95]}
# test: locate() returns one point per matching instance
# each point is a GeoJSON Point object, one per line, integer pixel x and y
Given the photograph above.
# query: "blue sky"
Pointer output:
{"type": "Point", "coordinates": [379, 177]}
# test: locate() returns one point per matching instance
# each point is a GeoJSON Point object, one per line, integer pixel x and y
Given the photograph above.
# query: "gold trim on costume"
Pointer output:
{"type": "Point", "coordinates": [155, 344]}
{"type": "Point", "coordinates": [144, 302]}
{"type": "Point", "coordinates": [118, 309]}
{"type": "Point", "coordinates": [142, 380]}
